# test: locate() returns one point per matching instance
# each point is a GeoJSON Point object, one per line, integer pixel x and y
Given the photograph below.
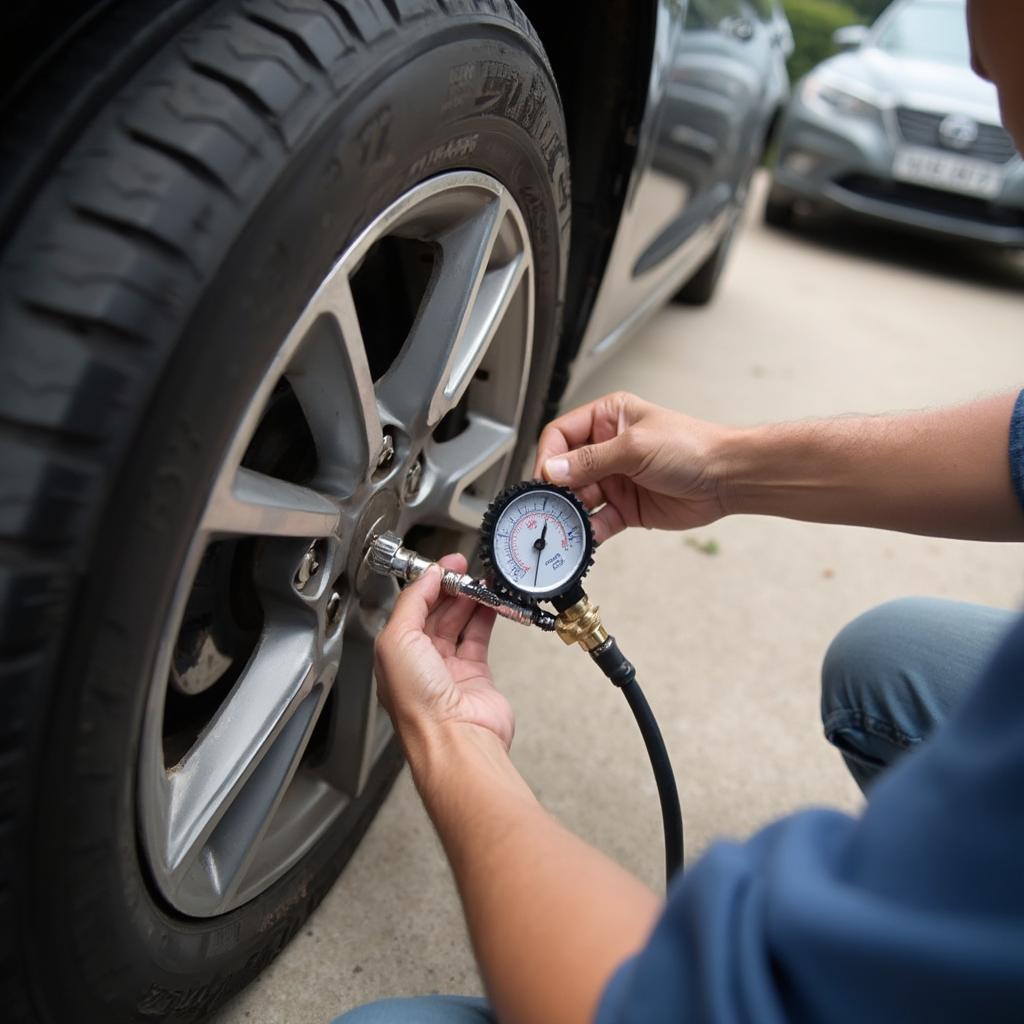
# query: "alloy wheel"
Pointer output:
{"type": "Point", "coordinates": [393, 403]}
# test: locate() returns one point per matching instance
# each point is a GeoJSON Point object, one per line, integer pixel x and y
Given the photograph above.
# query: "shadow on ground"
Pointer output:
{"type": "Point", "coordinates": [975, 264]}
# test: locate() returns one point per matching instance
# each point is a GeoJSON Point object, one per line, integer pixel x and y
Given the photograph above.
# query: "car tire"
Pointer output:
{"type": "Point", "coordinates": [701, 288]}
{"type": "Point", "coordinates": [167, 243]}
{"type": "Point", "coordinates": [779, 209]}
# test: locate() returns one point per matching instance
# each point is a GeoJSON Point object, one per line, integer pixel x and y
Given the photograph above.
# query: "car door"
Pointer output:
{"type": "Point", "coordinates": [701, 136]}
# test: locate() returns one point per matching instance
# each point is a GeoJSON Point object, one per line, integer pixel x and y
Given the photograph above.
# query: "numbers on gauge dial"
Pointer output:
{"type": "Point", "coordinates": [539, 542]}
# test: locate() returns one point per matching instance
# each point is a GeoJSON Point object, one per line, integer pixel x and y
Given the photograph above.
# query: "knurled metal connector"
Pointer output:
{"type": "Point", "coordinates": [382, 552]}
{"type": "Point", "coordinates": [581, 624]}
{"type": "Point", "coordinates": [387, 556]}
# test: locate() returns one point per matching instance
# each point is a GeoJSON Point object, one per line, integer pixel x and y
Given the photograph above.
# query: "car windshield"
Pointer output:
{"type": "Point", "coordinates": [927, 31]}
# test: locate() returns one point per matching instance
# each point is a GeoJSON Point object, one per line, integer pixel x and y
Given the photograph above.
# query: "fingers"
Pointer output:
{"type": "Point", "coordinates": [451, 614]}
{"type": "Point", "coordinates": [476, 636]}
{"type": "Point", "coordinates": [552, 442]}
{"type": "Point", "coordinates": [567, 432]}
{"type": "Point", "coordinates": [607, 523]}
{"type": "Point", "coordinates": [455, 561]}
{"type": "Point", "coordinates": [594, 462]}
{"type": "Point", "coordinates": [592, 496]}
{"type": "Point", "coordinates": [415, 603]}
{"type": "Point", "coordinates": [590, 443]}
{"type": "Point", "coordinates": [596, 421]}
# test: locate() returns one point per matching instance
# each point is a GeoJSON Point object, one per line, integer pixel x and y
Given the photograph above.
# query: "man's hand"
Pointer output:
{"type": "Point", "coordinates": [431, 661]}
{"type": "Point", "coordinates": [540, 903]}
{"type": "Point", "coordinates": [944, 473]}
{"type": "Point", "coordinates": [646, 465]}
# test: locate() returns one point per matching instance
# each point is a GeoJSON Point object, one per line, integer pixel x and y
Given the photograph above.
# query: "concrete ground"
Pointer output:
{"type": "Point", "coordinates": [728, 644]}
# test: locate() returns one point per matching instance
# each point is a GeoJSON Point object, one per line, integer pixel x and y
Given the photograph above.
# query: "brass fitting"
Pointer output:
{"type": "Point", "coordinates": [581, 624]}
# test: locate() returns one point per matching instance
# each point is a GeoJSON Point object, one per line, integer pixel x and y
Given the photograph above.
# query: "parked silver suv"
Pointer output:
{"type": "Point", "coordinates": [900, 129]}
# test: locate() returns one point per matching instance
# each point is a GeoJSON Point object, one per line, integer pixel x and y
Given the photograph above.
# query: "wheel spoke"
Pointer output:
{"type": "Point", "coordinates": [460, 315]}
{"type": "Point", "coordinates": [497, 287]}
{"type": "Point", "coordinates": [331, 378]}
{"type": "Point", "coordinates": [236, 840]}
{"type": "Point", "coordinates": [352, 729]}
{"type": "Point", "coordinates": [454, 465]}
{"type": "Point", "coordinates": [236, 771]}
{"type": "Point", "coordinates": [255, 504]}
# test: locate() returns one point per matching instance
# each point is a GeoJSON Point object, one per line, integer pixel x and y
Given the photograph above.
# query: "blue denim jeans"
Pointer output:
{"type": "Point", "coordinates": [422, 1010]}
{"type": "Point", "coordinates": [895, 673]}
{"type": "Point", "coordinates": [889, 678]}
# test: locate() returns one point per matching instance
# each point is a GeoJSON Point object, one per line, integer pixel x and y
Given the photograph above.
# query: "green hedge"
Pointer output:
{"type": "Point", "coordinates": [869, 9]}
{"type": "Point", "coordinates": [813, 22]}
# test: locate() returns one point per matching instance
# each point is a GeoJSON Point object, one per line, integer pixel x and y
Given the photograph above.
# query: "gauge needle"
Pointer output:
{"type": "Point", "coordinates": [539, 545]}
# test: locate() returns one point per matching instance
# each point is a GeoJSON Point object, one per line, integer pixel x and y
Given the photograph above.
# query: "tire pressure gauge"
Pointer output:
{"type": "Point", "coordinates": [537, 543]}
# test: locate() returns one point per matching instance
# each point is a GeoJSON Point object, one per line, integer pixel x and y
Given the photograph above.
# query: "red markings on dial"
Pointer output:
{"type": "Point", "coordinates": [531, 525]}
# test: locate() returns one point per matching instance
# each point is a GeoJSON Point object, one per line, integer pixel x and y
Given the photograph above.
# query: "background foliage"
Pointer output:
{"type": "Point", "coordinates": [813, 23]}
{"type": "Point", "coordinates": [869, 9]}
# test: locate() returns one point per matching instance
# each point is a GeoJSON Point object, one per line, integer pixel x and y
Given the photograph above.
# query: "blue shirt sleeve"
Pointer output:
{"type": "Point", "coordinates": [913, 912]}
{"type": "Point", "coordinates": [1017, 448]}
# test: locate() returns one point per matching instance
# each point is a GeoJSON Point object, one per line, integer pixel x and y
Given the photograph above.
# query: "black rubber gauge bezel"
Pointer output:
{"type": "Point", "coordinates": [493, 514]}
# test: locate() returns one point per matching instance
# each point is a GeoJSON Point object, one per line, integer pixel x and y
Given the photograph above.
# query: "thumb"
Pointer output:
{"type": "Point", "coordinates": [415, 603]}
{"type": "Point", "coordinates": [593, 462]}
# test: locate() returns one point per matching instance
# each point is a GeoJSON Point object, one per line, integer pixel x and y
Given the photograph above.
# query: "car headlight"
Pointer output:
{"type": "Point", "coordinates": [831, 96]}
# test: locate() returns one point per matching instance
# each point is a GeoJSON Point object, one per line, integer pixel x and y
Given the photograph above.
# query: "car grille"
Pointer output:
{"type": "Point", "coordinates": [931, 200]}
{"type": "Point", "coordinates": [921, 128]}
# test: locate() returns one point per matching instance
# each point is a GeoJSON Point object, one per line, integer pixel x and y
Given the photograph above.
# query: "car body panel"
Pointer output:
{"type": "Point", "coordinates": [717, 79]}
{"type": "Point", "coordinates": [924, 109]}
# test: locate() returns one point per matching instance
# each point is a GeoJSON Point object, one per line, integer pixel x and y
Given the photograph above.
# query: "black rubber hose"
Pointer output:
{"type": "Point", "coordinates": [671, 812]}
{"type": "Point", "coordinates": [618, 669]}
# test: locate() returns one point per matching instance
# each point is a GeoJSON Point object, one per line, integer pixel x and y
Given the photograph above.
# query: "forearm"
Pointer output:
{"type": "Point", "coordinates": [942, 473]}
{"type": "Point", "coordinates": [550, 917]}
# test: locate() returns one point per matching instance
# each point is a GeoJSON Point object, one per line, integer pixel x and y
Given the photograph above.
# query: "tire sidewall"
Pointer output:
{"type": "Point", "coordinates": [468, 95]}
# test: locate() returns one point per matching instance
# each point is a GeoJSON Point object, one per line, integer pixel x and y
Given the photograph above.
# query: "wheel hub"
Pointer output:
{"type": "Point", "coordinates": [381, 513]}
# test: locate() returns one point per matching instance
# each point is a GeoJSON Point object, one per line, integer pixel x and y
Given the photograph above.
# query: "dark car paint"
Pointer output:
{"type": "Point", "coordinates": [717, 83]}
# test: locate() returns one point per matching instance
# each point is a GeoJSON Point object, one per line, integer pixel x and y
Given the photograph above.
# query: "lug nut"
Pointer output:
{"type": "Point", "coordinates": [413, 479]}
{"type": "Point", "coordinates": [308, 567]}
{"type": "Point", "coordinates": [387, 452]}
{"type": "Point", "coordinates": [334, 606]}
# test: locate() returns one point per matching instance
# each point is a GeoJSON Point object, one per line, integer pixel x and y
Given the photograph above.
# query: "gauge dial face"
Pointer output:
{"type": "Point", "coordinates": [540, 542]}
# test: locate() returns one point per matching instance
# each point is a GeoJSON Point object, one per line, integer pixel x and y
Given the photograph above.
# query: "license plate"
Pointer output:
{"type": "Point", "coordinates": [948, 171]}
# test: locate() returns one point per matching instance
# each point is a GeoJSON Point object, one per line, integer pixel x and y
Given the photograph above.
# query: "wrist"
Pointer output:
{"type": "Point", "coordinates": [440, 751]}
{"type": "Point", "coordinates": [771, 470]}
{"type": "Point", "coordinates": [733, 463]}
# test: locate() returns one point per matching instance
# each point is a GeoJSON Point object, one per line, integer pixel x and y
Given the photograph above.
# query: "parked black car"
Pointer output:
{"type": "Point", "coordinates": [278, 274]}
